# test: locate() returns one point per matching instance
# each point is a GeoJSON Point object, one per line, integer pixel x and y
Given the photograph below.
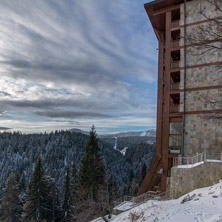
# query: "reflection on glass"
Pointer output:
{"type": "Point", "coordinates": [175, 139]}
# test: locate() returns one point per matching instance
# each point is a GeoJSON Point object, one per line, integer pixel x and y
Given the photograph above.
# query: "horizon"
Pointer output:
{"type": "Point", "coordinates": [87, 130]}
{"type": "Point", "coordinates": [73, 65]}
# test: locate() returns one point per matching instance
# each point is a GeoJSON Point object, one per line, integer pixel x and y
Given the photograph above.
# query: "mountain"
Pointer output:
{"type": "Point", "coordinates": [122, 141]}
{"type": "Point", "coordinates": [75, 130]}
{"type": "Point", "coordinates": [150, 133]}
{"type": "Point", "coordinates": [18, 153]}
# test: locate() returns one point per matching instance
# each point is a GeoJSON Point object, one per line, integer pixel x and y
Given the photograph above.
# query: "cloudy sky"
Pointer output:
{"type": "Point", "coordinates": [70, 64]}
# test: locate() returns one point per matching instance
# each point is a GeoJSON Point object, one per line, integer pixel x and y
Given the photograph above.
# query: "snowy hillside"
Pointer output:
{"type": "Point", "coordinates": [150, 133]}
{"type": "Point", "coordinates": [203, 204]}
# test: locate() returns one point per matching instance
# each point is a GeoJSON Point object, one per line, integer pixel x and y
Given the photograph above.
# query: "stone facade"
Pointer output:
{"type": "Point", "coordinates": [201, 77]}
{"type": "Point", "coordinates": [200, 55]}
{"type": "Point", "coordinates": [193, 9]}
{"type": "Point", "coordinates": [201, 100]}
{"type": "Point", "coordinates": [185, 180]}
{"type": "Point", "coordinates": [201, 133]}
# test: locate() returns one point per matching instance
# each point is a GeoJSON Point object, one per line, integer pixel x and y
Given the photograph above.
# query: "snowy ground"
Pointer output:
{"type": "Point", "coordinates": [203, 204]}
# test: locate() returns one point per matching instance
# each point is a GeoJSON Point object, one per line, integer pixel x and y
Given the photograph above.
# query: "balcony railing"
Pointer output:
{"type": "Point", "coordinates": [175, 86]}
{"type": "Point", "coordinates": [175, 150]}
{"type": "Point", "coordinates": [175, 24]}
{"type": "Point", "coordinates": [174, 108]}
{"type": "Point", "coordinates": [175, 64]}
{"type": "Point", "coordinates": [175, 43]}
{"type": "Point", "coordinates": [201, 157]}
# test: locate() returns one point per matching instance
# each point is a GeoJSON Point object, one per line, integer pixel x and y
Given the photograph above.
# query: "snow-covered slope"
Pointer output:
{"type": "Point", "coordinates": [203, 204]}
{"type": "Point", "coordinates": [123, 151]}
{"type": "Point", "coordinates": [151, 133]}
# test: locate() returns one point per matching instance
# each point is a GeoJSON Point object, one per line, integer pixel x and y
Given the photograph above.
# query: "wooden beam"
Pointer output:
{"type": "Point", "coordinates": [149, 175]}
{"type": "Point", "coordinates": [165, 9]}
{"type": "Point", "coordinates": [159, 35]}
{"type": "Point", "coordinates": [160, 99]}
{"type": "Point", "coordinates": [165, 140]}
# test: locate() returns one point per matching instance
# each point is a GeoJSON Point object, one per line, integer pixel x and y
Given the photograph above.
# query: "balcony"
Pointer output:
{"type": "Point", "coordinates": [175, 59]}
{"type": "Point", "coordinates": [175, 64]}
{"type": "Point", "coordinates": [174, 108]}
{"type": "Point", "coordinates": [175, 24]}
{"type": "Point", "coordinates": [175, 43]}
{"type": "Point", "coordinates": [174, 103]}
{"type": "Point", "coordinates": [175, 86]}
{"type": "Point", "coordinates": [175, 150]}
{"type": "Point", "coordinates": [175, 80]}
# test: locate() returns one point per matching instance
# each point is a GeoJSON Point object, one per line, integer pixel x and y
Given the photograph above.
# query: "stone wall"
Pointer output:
{"type": "Point", "coordinates": [193, 9]}
{"type": "Point", "coordinates": [202, 135]}
{"type": "Point", "coordinates": [201, 100]}
{"type": "Point", "coordinates": [201, 77]}
{"type": "Point", "coordinates": [201, 55]}
{"type": "Point", "coordinates": [185, 180]}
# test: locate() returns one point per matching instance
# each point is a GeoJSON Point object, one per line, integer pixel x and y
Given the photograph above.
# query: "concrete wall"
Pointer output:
{"type": "Point", "coordinates": [185, 180]}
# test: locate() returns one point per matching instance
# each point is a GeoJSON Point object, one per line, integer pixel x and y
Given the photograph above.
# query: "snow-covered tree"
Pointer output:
{"type": "Point", "coordinates": [11, 206]}
{"type": "Point", "coordinates": [92, 189]}
{"type": "Point", "coordinates": [42, 201]}
{"type": "Point", "coordinates": [91, 173]}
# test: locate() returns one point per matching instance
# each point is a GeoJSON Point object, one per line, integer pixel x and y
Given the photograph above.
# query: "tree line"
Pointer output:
{"type": "Point", "coordinates": [88, 190]}
{"type": "Point", "coordinates": [87, 193]}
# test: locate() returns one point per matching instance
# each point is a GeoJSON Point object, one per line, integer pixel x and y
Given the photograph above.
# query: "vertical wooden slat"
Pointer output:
{"type": "Point", "coordinates": [160, 96]}
{"type": "Point", "coordinates": [165, 141]}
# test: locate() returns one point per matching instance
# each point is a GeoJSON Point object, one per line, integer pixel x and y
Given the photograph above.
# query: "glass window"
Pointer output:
{"type": "Point", "coordinates": [175, 140]}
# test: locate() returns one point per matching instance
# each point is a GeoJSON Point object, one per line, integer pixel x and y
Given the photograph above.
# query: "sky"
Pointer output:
{"type": "Point", "coordinates": [71, 64]}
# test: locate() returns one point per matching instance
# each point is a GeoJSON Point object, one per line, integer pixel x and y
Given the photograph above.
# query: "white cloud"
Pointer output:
{"type": "Point", "coordinates": [86, 55]}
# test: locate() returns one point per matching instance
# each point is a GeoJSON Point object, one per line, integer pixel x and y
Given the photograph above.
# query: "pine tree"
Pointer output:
{"type": "Point", "coordinates": [20, 182]}
{"type": "Point", "coordinates": [92, 188]}
{"type": "Point", "coordinates": [37, 206]}
{"type": "Point", "coordinates": [91, 173]}
{"type": "Point", "coordinates": [129, 183]}
{"type": "Point", "coordinates": [55, 210]}
{"type": "Point", "coordinates": [143, 173]}
{"type": "Point", "coordinates": [73, 190]}
{"type": "Point", "coordinates": [11, 206]}
{"type": "Point", "coordinates": [70, 195]}
{"type": "Point", "coordinates": [113, 190]}
{"type": "Point", "coordinates": [67, 201]}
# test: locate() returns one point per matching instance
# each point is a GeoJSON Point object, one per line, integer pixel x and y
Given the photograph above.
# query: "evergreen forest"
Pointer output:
{"type": "Point", "coordinates": [66, 176]}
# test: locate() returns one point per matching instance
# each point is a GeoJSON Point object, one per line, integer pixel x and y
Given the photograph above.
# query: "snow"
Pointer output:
{"type": "Point", "coordinates": [115, 146]}
{"type": "Point", "coordinates": [126, 205]}
{"type": "Point", "coordinates": [190, 165]}
{"type": "Point", "coordinates": [143, 134]}
{"type": "Point", "coordinates": [215, 161]}
{"type": "Point", "coordinates": [203, 204]}
{"type": "Point", "coordinates": [123, 151]}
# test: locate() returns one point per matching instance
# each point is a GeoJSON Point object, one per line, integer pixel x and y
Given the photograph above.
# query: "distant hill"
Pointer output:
{"type": "Point", "coordinates": [18, 153]}
{"type": "Point", "coordinates": [124, 141]}
{"type": "Point", "coordinates": [150, 133]}
{"type": "Point", "coordinates": [75, 130]}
